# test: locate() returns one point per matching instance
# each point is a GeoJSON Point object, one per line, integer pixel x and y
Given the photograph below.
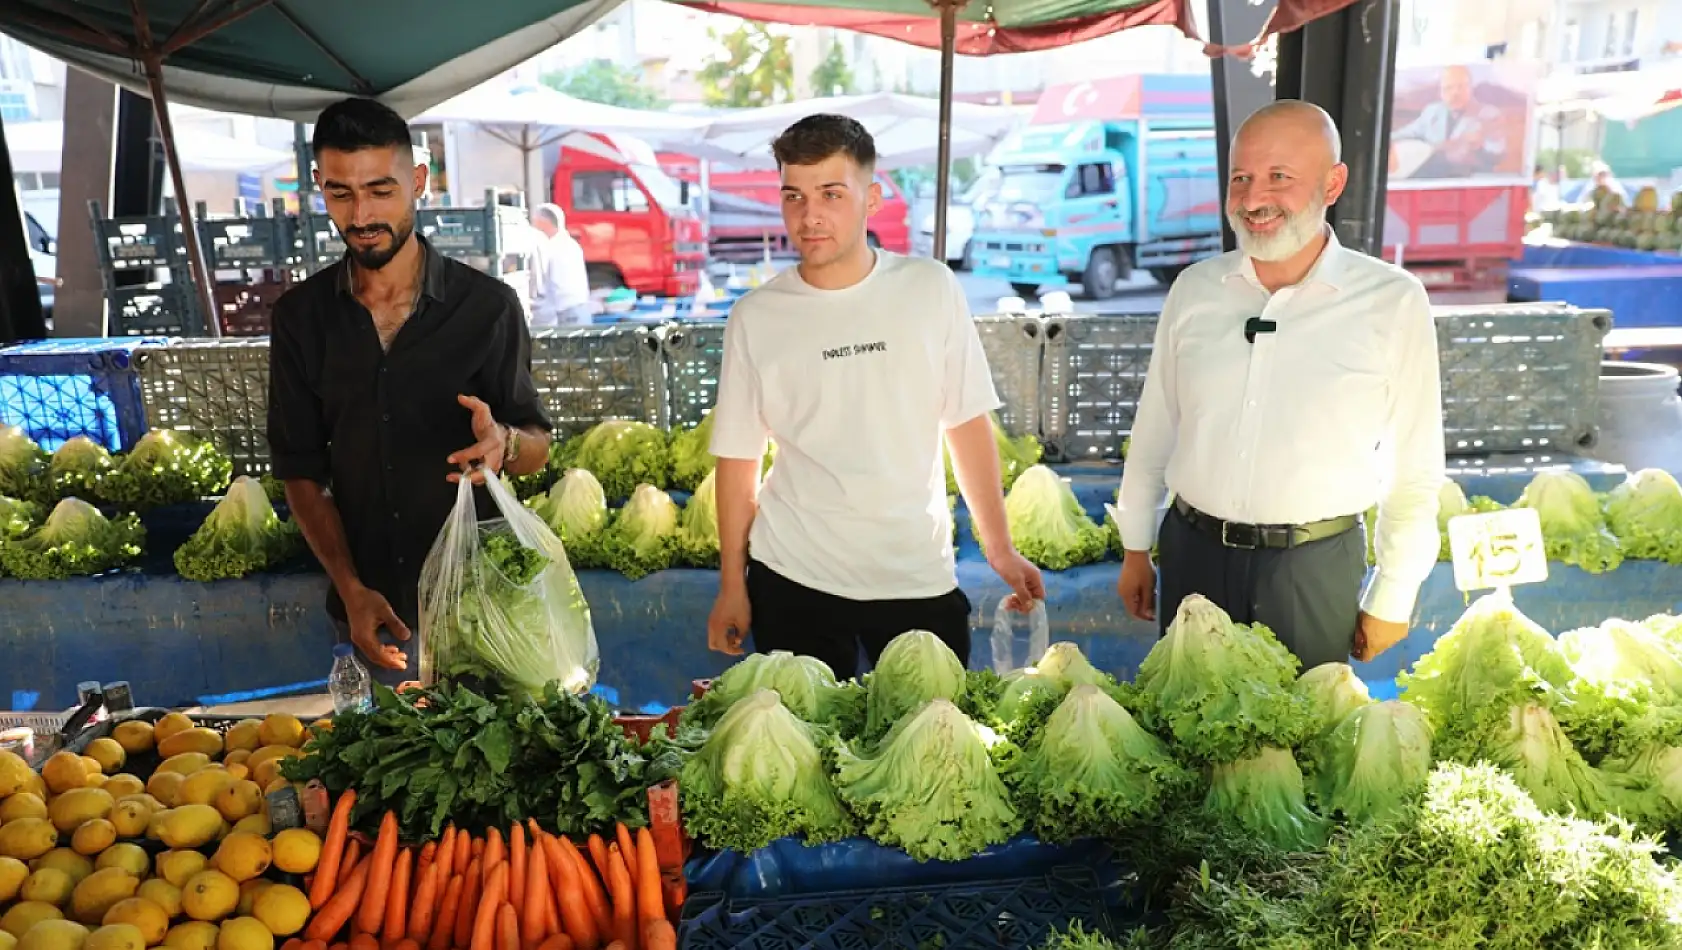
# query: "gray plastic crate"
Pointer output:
{"type": "Point", "coordinates": [590, 374]}
{"type": "Point", "coordinates": [248, 243]}
{"type": "Point", "coordinates": [1520, 377]}
{"type": "Point", "coordinates": [1015, 346]}
{"type": "Point", "coordinates": [693, 353]}
{"type": "Point", "coordinates": [216, 389]}
{"type": "Point", "coordinates": [1091, 376]}
{"type": "Point", "coordinates": [147, 241]}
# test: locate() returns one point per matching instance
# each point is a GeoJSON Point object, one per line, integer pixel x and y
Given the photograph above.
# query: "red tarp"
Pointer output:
{"type": "Point", "coordinates": [988, 38]}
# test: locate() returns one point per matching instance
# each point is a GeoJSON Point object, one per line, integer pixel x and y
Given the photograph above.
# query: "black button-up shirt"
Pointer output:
{"type": "Point", "coordinates": [376, 426]}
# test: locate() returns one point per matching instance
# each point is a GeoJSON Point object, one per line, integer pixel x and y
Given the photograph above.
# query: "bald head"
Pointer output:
{"type": "Point", "coordinates": [1287, 166]}
{"type": "Point", "coordinates": [1292, 120]}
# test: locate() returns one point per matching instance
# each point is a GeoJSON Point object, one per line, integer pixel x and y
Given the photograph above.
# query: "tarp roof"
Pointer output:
{"type": "Point", "coordinates": [906, 128]}
{"type": "Point", "coordinates": [37, 147]}
{"type": "Point", "coordinates": [291, 58]}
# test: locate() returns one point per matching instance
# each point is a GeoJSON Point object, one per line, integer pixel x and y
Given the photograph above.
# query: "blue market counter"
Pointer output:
{"type": "Point", "coordinates": [180, 642]}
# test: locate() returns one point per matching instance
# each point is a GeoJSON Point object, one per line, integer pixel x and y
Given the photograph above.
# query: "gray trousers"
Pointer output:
{"type": "Point", "coordinates": [1309, 596]}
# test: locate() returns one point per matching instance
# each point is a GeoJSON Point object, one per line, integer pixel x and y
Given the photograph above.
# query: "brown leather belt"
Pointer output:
{"type": "Point", "coordinates": [1252, 537]}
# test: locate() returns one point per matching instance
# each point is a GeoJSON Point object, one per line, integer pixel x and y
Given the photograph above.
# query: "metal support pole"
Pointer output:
{"type": "Point", "coordinates": [1239, 92]}
{"type": "Point", "coordinates": [172, 156]}
{"type": "Point", "coordinates": [303, 155]}
{"type": "Point", "coordinates": [943, 160]}
{"type": "Point", "coordinates": [1345, 63]}
{"type": "Point", "coordinates": [20, 298]}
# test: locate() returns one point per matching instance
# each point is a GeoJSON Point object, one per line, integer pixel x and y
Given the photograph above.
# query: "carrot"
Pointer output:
{"type": "Point", "coordinates": [578, 921]}
{"type": "Point", "coordinates": [676, 890]}
{"type": "Point", "coordinates": [332, 850]}
{"type": "Point", "coordinates": [624, 898]}
{"type": "Point", "coordinates": [428, 854]}
{"type": "Point", "coordinates": [334, 914]}
{"type": "Point", "coordinates": [342, 945]}
{"type": "Point", "coordinates": [364, 941]}
{"type": "Point", "coordinates": [447, 852]}
{"type": "Point", "coordinates": [472, 886]}
{"type": "Point", "coordinates": [651, 902]}
{"type": "Point", "coordinates": [424, 905]}
{"type": "Point", "coordinates": [534, 922]}
{"type": "Point", "coordinates": [594, 896]}
{"type": "Point", "coordinates": [353, 857]}
{"type": "Point", "coordinates": [495, 851]}
{"type": "Point", "coordinates": [479, 849]}
{"type": "Point", "coordinates": [517, 858]}
{"type": "Point", "coordinates": [444, 927]}
{"type": "Point", "coordinates": [483, 936]}
{"type": "Point", "coordinates": [658, 934]}
{"type": "Point", "coordinates": [293, 944]}
{"type": "Point", "coordinates": [314, 945]}
{"type": "Point", "coordinates": [598, 855]}
{"type": "Point", "coordinates": [407, 943]}
{"type": "Point", "coordinates": [464, 851]}
{"type": "Point", "coordinates": [396, 922]}
{"type": "Point", "coordinates": [507, 928]}
{"type": "Point", "coordinates": [557, 942]}
{"type": "Point", "coordinates": [615, 945]}
{"type": "Point", "coordinates": [372, 912]}
{"type": "Point", "coordinates": [627, 845]}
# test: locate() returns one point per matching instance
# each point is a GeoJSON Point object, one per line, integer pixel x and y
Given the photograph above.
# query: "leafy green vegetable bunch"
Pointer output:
{"type": "Point", "coordinates": [643, 537]}
{"type": "Point", "coordinates": [447, 754]}
{"type": "Point", "coordinates": [17, 516]}
{"type": "Point", "coordinates": [1048, 524]}
{"type": "Point", "coordinates": [622, 454]}
{"type": "Point", "coordinates": [22, 464]}
{"type": "Point", "coordinates": [77, 469]}
{"type": "Point", "coordinates": [75, 540]}
{"type": "Point", "coordinates": [575, 508]}
{"type": "Point", "coordinates": [241, 535]}
{"type": "Point", "coordinates": [1573, 525]}
{"type": "Point", "coordinates": [1645, 513]}
{"type": "Point", "coordinates": [166, 468]}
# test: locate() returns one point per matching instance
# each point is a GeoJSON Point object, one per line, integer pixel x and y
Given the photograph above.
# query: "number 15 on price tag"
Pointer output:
{"type": "Point", "coordinates": [1498, 550]}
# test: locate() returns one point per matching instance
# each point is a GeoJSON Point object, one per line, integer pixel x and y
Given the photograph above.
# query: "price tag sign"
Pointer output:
{"type": "Point", "coordinates": [1497, 550]}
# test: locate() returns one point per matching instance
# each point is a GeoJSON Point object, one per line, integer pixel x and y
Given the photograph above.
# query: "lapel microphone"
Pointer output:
{"type": "Point", "coordinates": [1256, 325]}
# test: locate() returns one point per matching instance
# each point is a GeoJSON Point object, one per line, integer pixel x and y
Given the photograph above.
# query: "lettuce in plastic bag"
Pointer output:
{"type": "Point", "coordinates": [500, 603]}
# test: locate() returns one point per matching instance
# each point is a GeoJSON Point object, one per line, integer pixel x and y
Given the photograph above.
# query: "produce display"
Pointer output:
{"type": "Point", "coordinates": [165, 468]}
{"type": "Point", "coordinates": [76, 538]}
{"type": "Point", "coordinates": [242, 535]}
{"type": "Point", "coordinates": [1605, 218]}
{"type": "Point", "coordinates": [1048, 524]}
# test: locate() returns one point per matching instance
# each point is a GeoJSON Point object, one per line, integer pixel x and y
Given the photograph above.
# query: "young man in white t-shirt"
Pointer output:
{"type": "Point", "coordinates": [857, 362]}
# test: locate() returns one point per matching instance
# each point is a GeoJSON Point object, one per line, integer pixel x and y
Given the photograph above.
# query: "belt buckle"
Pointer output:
{"type": "Point", "coordinates": [1254, 536]}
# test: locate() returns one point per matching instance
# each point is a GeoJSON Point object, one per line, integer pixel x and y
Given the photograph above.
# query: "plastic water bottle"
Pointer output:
{"type": "Point", "coordinates": [349, 683]}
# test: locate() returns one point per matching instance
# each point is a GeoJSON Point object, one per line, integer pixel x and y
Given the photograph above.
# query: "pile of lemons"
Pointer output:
{"type": "Point", "coordinates": [77, 841]}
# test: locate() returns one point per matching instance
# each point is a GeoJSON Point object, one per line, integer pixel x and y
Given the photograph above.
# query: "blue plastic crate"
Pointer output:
{"type": "Point", "coordinates": [56, 390]}
{"type": "Point", "coordinates": [1012, 914]}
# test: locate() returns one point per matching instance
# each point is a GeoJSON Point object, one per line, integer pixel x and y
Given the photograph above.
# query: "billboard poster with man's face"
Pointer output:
{"type": "Point", "coordinates": [1459, 122]}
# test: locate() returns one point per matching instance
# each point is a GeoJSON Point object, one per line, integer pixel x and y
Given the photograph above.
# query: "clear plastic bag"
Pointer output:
{"type": "Point", "coordinates": [499, 601]}
{"type": "Point", "coordinates": [1004, 637]}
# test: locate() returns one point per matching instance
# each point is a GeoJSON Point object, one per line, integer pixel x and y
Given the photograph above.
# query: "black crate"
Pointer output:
{"type": "Point", "coordinates": [147, 241]}
{"type": "Point", "coordinates": [153, 310]}
{"type": "Point", "coordinates": [247, 243]}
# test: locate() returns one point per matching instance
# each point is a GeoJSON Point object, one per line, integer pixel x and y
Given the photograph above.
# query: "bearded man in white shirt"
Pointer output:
{"type": "Point", "coordinates": [857, 362]}
{"type": "Point", "coordinates": [1292, 385]}
{"type": "Point", "coordinates": [560, 281]}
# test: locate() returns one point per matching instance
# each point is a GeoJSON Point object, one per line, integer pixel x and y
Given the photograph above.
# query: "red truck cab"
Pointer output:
{"type": "Point", "coordinates": [746, 213]}
{"type": "Point", "coordinates": [633, 223]}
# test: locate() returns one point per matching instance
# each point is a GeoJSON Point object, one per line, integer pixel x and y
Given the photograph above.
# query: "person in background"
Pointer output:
{"type": "Point", "coordinates": [382, 368]}
{"type": "Point", "coordinates": [1293, 384]}
{"type": "Point", "coordinates": [858, 363]}
{"type": "Point", "coordinates": [1544, 191]}
{"type": "Point", "coordinates": [560, 282]}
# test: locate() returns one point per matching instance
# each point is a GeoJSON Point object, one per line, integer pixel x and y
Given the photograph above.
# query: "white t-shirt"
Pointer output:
{"type": "Point", "coordinates": [857, 386]}
{"type": "Point", "coordinates": [560, 281]}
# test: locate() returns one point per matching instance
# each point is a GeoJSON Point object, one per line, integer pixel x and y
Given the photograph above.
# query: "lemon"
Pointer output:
{"type": "Point", "coordinates": [296, 850]}
{"type": "Point", "coordinates": [12, 875]}
{"type": "Point", "coordinates": [170, 725]}
{"type": "Point", "coordinates": [134, 737]}
{"type": "Point", "coordinates": [26, 914]}
{"type": "Point", "coordinates": [99, 891]}
{"type": "Point", "coordinates": [109, 753]}
{"type": "Point", "coordinates": [192, 935]}
{"type": "Point", "coordinates": [54, 935]}
{"type": "Point", "coordinates": [78, 866]}
{"type": "Point", "coordinates": [244, 933]}
{"type": "Point", "coordinates": [243, 856]}
{"type": "Point", "coordinates": [152, 920]}
{"type": "Point", "coordinates": [128, 857]}
{"type": "Point", "coordinates": [94, 836]}
{"type": "Point", "coordinates": [49, 886]}
{"type": "Point", "coordinates": [283, 909]}
{"type": "Point", "coordinates": [22, 805]}
{"type": "Point", "coordinates": [210, 895]}
{"type": "Point", "coordinates": [178, 867]}
{"type": "Point", "coordinates": [115, 937]}
{"type": "Point", "coordinates": [281, 729]}
{"type": "Point", "coordinates": [14, 774]}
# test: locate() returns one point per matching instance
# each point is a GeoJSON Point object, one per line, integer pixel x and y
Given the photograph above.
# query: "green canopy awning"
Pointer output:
{"type": "Point", "coordinates": [291, 58]}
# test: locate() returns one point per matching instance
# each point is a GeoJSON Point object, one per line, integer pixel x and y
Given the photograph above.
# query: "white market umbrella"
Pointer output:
{"type": "Point", "coordinates": [39, 146]}
{"type": "Point", "coordinates": [906, 128]}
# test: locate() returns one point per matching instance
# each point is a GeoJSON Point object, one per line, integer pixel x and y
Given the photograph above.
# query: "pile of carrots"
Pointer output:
{"type": "Point", "coordinates": [529, 891]}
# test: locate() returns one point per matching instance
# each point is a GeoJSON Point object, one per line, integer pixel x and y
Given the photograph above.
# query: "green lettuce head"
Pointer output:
{"type": "Point", "coordinates": [1373, 762]}
{"type": "Point", "coordinates": [914, 668]}
{"type": "Point", "coordinates": [1573, 528]}
{"type": "Point", "coordinates": [575, 508]}
{"type": "Point", "coordinates": [1645, 513]}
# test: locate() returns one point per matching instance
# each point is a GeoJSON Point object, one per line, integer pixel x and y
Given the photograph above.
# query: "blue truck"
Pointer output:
{"type": "Point", "coordinates": [1109, 177]}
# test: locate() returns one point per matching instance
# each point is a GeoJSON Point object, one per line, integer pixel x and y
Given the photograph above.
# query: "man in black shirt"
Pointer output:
{"type": "Point", "coordinates": [382, 368]}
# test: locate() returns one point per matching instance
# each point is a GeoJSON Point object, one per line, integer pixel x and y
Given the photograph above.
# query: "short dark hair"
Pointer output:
{"type": "Point", "coordinates": [351, 125]}
{"type": "Point", "coordinates": [817, 137]}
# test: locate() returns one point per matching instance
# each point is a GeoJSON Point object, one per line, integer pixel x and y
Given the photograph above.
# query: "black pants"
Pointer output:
{"type": "Point", "coordinates": [1309, 596]}
{"type": "Point", "coordinates": [788, 616]}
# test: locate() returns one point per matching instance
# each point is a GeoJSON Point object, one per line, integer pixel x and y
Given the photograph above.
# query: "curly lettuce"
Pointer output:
{"type": "Point", "coordinates": [77, 469]}
{"type": "Point", "coordinates": [22, 464]}
{"type": "Point", "coordinates": [1645, 513]}
{"type": "Point", "coordinates": [623, 454]}
{"type": "Point", "coordinates": [930, 786]}
{"type": "Point", "coordinates": [697, 529]}
{"type": "Point", "coordinates": [1333, 692]}
{"type": "Point", "coordinates": [1093, 771]}
{"type": "Point", "coordinates": [17, 516]}
{"type": "Point", "coordinates": [75, 540]}
{"type": "Point", "coordinates": [575, 508]}
{"type": "Point", "coordinates": [642, 539]}
{"type": "Point", "coordinates": [1263, 794]}
{"type": "Point", "coordinates": [1222, 690]}
{"type": "Point", "coordinates": [760, 776]}
{"type": "Point", "coordinates": [241, 536]}
{"type": "Point", "coordinates": [1372, 763]}
{"type": "Point", "coordinates": [1625, 691]}
{"type": "Point", "coordinates": [1048, 524]}
{"type": "Point", "coordinates": [1535, 750]}
{"type": "Point", "coordinates": [166, 468]}
{"type": "Point", "coordinates": [1573, 527]}
{"type": "Point", "coordinates": [805, 686]}
{"type": "Point", "coordinates": [914, 668]}
{"type": "Point", "coordinates": [1451, 504]}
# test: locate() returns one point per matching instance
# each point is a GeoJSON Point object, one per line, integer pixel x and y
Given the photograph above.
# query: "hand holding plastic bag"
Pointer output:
{"type": "Point", "coordinates": [499, 601]}
{"type": "Point", "coordinates": [1004, 638]}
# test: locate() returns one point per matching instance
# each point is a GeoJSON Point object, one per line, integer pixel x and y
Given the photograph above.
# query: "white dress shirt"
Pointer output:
{"type": "Point", "coordinates": [1339, 408]}
{"type": "Point", "coordinates": [560, 281]}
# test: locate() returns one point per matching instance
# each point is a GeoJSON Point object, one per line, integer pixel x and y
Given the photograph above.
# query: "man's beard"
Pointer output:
{"type": "Point", "coordinates": [1298, 231]}
{"type": "Point", "coordinates": [375, 256]}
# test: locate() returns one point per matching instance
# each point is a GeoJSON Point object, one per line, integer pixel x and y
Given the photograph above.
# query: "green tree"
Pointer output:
{"type": "Point", "coordinates": [756, 69]}
{"type": "Point", "coordinates": [833, 76]}
{"type": "Point", "coordinates": [604, 81]}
